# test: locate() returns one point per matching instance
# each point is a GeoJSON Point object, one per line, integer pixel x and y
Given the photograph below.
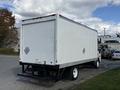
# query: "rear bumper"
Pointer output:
{"type": "Point", "coordinates": [114, 57]}
{"type": "Point", "coordinates": [41, 66]}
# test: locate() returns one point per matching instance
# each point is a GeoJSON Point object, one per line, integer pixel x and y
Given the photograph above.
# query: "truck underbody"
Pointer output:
{"type": "Point", "coordinates": [39, 71]}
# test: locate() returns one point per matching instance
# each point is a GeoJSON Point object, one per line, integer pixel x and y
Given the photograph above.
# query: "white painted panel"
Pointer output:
{"type": "Point", "coordinates": [38, 43]}
{"type": "Point", "coordinates": [73, 40]}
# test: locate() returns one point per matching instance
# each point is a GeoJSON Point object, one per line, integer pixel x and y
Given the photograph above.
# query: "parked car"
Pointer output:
{"type": "Point", "coordinates": [106, 53]}
{"type": "Point", "coordinates": [116, 55]}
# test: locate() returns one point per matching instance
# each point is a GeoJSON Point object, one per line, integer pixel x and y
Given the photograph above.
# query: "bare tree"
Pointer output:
{"type": "Point", "coordinates": [118, 35]}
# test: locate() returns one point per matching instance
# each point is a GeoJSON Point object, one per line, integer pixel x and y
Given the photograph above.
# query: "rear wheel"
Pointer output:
{"type": "Point", "coordinates": [97, 64]}
{"type": "Point", "coordinates": [74, 73]}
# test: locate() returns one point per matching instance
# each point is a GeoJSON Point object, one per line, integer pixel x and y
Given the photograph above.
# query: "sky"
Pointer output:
{"type": "Point", "coordinates": [97, 14]}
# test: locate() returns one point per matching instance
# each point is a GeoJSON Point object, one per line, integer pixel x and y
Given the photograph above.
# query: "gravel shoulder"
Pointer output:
{"type": "Point", "coordinates": [9, 68]}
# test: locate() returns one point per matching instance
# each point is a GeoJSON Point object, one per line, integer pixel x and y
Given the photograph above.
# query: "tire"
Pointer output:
{"type": "Point", "coordinates": [73, 73]}
{"type": "Point", "coordinates": [97, 64]}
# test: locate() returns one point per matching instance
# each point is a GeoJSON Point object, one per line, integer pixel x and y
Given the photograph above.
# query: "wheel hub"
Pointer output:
{"type": "Point", "coordinates": [75, 73]}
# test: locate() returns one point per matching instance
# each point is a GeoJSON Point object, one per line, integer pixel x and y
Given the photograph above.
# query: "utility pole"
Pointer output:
{"type": "Point", "coordinates": [104, 32]}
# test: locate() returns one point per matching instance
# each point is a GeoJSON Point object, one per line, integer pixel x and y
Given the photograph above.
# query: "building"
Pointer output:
{"type": "Point", "coordinates": [17, 46]}
{"type": "Point", "coordinates": [111, 42]}
{"type": "Point", "coordinates": [108, 39]}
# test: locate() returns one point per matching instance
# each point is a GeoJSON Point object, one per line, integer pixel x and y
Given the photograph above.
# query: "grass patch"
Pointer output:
{"type": "Point", "coordinates": [8, 51]}
{"type": "Point", "coordinates": [109, 80]}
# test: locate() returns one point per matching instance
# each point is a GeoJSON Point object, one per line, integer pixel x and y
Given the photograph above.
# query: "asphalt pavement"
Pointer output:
{"type": "Point", "coordinates": [9, 80]}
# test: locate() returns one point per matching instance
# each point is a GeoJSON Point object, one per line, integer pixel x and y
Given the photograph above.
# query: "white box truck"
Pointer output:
{"type": "Point", "coordinates": [56, 43]}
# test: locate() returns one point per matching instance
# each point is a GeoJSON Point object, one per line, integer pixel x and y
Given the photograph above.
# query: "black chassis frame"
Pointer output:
{"type": "Point", "coordinates": [34, 70]}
